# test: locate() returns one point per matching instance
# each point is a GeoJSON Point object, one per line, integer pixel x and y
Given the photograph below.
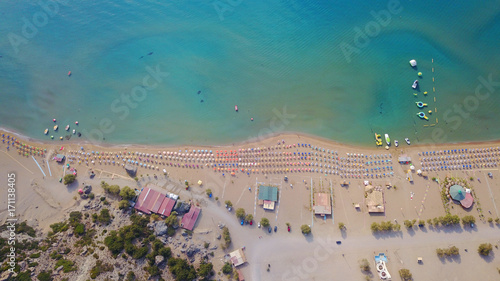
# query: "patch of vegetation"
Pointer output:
{"type": "Point", "coordinates": [181, 269]}
{"type": "Point", "coordinates": [248, 218]}
{"type": "Point", "coordinates": [226, 236]}
{"type": "Point", "coordinates": [130, 276]}
{"type": "Point", "coordinates": [123, 239]}
{"type": "Point", "coordinates": [240, 213]}
{"type": "Point", "coordinates": [45, 276]}
{"type": "Point", "coordinates": [229, 204]}
{"type": "Point", "coordinates": [342, 226]}
{"type": "Point", "coordinates": [410, 223]}
{"type": "Point", "coordinates": [25, 228]}
{"type": "Point", "coordinates": [468, 220]}
{"type": "Point", "coordinates": [68, 265]}
{"type": "Point", "coordinates": [264, 222]}
{"type": "Point", "coordinates": [484, 249]}
{"type": "Point", "coordinates": [124, 204]}
{"type": "Point", "coordinates": [110, 189]}
{"type": "Point", "coordinates": [104, 217]}
{"type": "Point", "coordinates": [172, 220]}
{"type": "Point", "coordinates": [35, 255]}
{"type": "Point", "coordinates": [385, 226]}
{"type": "Point", "coordinates": [58, 227]}
{"type": "Point", "coordinates": [99, 268]}
{"type": "Point", "coordinates": [405, 274]}
{"type": "Point", "coordinates": [451, 251]}
{"type": "Point", "coordinates": [205, 271]}
{"type": "Point", "coordinates": [127, 193]}
{"type": "Point", "coordinates": [305, 229]}
{"type": "Point", "coordinates": [227, 268]}
{"type": "Point", "coordinates": [69, 179]}
{"type": "Point", "coordinates": [208, 192]}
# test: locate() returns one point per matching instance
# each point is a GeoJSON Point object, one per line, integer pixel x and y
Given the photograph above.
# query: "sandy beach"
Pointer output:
{"type": "Point", "coordinates": [234, 172]}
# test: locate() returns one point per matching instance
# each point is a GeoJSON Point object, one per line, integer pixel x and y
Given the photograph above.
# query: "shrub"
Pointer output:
{"type": "Point", "coordinates": [490, 220]}
{"type": "Point", "coordinates": [130, 276]}
{"type": "Point", "coordinates": [468, 220]}
{"type": "Point", "coordinates": [104, 217]}
{"type": "Point", "coordinates": [305, 229]}
{"type": "Point", "coordinates": [342, 226]}
{"type": "Point", "coordinates": [208, 192]}
{"type": "Point", "coordinates": [240, 213]}
{"type": "Point", "coordinates": [205, 271]}
{"type": "Point", "coordinates": [249, 218]}
{"type": "Point", "coordinates": [99, 268]}
{"type": "Point", "coordinates": [227, 268]}
{"type": "Point", "coordinates": [25, 228]}
{"type": "Point", "coordinates": [405, 274]}
{"type": "Point", "coordinates": [45, 276]}
{"type": "Point", "coordinates": [181, 269]}
{"type": "Point", "coordinates": [69, 179]}
{"type": "Point", "coordinates": [127, 193]}
{"type": "Point", "coordinates": [80, 229]}
{"type": "Point", "coordinates": [59, 227]}
{"type": "Point", "coordinates": [124, 204]}
{"type": "Point", "coordinates": [228, 204]}
{"type": "Point", "coordinates": [364, 265]}
{"type": "Point", "coordinates": [68, 265]}
{"type": "Point", "coordinates": [264, 222]}
{"type": "Point", "coordinates": [226, 236]}
{"type": "Point", "coordinates": [484, 249]}
{"type": "Point", "coordinates": [172, 220]}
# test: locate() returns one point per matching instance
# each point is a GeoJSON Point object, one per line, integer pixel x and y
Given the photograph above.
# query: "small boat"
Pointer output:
{"type": "Point", "coordinates": [69, 73]}
{"type": "Point", "coordinates": [236, 108]}
{"type": "Point", "coordinates": [54, 120]}
{"type": "Point", "coordinates": [396, 143]}
{"type": "Point", "coordinates": [76, 122]}
{"type": "Point", "coordinates": [56, 127]}
{"type": "Point", "coordinates": [415, 84]}
{"type": "Point", "coordinates": [387, 139]}
{"type": "Point", "coordinates": [67, 128]}
{"type": "Point", "coordinates": [413, 63]}
{"type": "Point", "coordinates": [74, 131]}
{"type": "Point", "coordinates": [46, 131]}
{"type": "Point", "coordinates": [407, 141]}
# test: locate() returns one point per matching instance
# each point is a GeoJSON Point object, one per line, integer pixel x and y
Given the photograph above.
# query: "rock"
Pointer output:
{"type": "Point", "coordinates": [22, 265]}
{"type": "Point", "coordinates": [87, 189]}
{"type": "Point", "coordinates": [219, 237]}
{"type": "Point", "coordinates": [182, 207]}
{"type": "Point", "coordinates": [131, 170]}
{"type": "Point", "coordinates": [5, 275]}
{"type": "Point", "coordinates": [159, 260]}
{"type": "Point", "coordinates": [192, 250]}
{"type": "Point", "coordinates": [160, 228]}
{"type": "Point", "coordinates": [54, 245]}
{"type": "Point", "coordinates": [214, 247]}
{"type": "Point", "coordinates": [84, 251]}
{"type": "Point", "coordinates": [184, 234]}
{"type": "Point", "coordinates": [59, 268]}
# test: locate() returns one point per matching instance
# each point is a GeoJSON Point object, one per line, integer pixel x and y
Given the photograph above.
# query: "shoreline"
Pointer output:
{"type": "Point", "coordinates": [287, 134]}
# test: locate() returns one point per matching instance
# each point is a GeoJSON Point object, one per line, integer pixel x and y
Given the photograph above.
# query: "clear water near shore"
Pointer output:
{"type": "Point", "coordinates": [281, 63]}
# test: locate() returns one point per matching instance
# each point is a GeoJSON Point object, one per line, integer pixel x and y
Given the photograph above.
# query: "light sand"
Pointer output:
{"type": "Point", "coordinates": [46, 200]}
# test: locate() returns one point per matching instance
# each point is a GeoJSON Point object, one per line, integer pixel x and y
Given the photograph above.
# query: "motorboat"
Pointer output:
{"type": "Point", "coordinates": [56, 127]}
{"type": "Point", "coordinates": [74, 131]}
{"type": "Point", "coordinates": [387, 139]}
{"type": "Point", "coordinates": [396, 143]}
{"type": "Point", "coordinates": [67, 128]}
{"type": "Point", "coordinates": [236, 108]}
{"type": "Point", "coordinates": [407, 141]}
{"type": "Point", "coordinates": [413, 63]}
{"type": "Point", "coordinates": [415, 84]}
{"type": "Point", "coordinates": [46, 131]}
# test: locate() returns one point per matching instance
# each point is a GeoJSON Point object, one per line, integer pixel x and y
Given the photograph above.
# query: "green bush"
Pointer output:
{"type": "Point", "coordinates": [181, 269]}
{"type": "Point", "coordinates": [484, 249]}
{"type": "Point", "coordinates": [127, 193]}
{"type": "Point", "coordinates": [172, 220]}
{"type": "Point", "coordinates": [45, 276]}
{"type": "Point", "coordinates": [104, 217]}
{"type": "Point", "coordinates": [205, 271]}
{"type": "Point", "coordinates": [240, 213]}
{"type": "Point", "coordinates": [264, 222]}
{"type": "Point", "coordinates": [69, 179]}
{"type": "Point", "coordinates": [80, 229]}
{"type": "Point", "coordinates": [25, 228]}
{"type": "Point", "coordinates": [68, 265]}
{"type": "Point", "coordinates": [99, 268]}
{"type": "Point", "coordinates": [226, 236]}
{"type": "Point", "coordinates": [59, 227]}
{"type": "Point", "coordinates": [305, 229]}
{"type": "Point", "coordinates": [227, 268]}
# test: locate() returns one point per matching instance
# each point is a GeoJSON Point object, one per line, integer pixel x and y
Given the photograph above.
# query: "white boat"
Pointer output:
{"type": "Point", "coordinates": [413, 63]}
{"type": "Point", "coordinates": [396, 143]}
{"type": "Point", "coordinates": [67, 128]}
{"type": "Point", "coordinates": [407, 141]}
{"type": "Point", "coordinates": [415, 84]}
{"type": "Point", "coordinates": [387, 139]}
{"type": "Point", "coordinates": [46, 131]}
{"type": "Point", "coordinates": [74, 132]}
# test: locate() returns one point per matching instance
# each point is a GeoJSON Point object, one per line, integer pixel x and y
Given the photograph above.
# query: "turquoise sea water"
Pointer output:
{"type": "Point", "coordinates": [281, 62]}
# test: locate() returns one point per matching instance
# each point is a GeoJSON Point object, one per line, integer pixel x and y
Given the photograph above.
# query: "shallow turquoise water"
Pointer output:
{"type": "Point", "coordinates": [281, 62]}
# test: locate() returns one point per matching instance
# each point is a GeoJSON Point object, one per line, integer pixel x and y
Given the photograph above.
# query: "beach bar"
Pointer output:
{"type": "Point", "coordinates": [152, 201]}
{"type": "Point", "coordinates": [323, 204]}
{"type": "Point", "coordinates": [268, 195]}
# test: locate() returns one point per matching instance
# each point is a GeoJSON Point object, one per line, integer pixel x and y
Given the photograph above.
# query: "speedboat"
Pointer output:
{"type": "Point", "coordinates": [67, 128]}
{"type": "Point", "coordinates": [56, 127]}
{"type": "Point", "coordinates": [396, 143]}
{"type": "Point", "coordinates": [407, 141]}
{"type": "Point", "coordinates": [387, 139]}
{"type": "Point", "coordinates": [74, 132]}
{"type": "Point", "coordinates": [46, 131]}
{"type": "Point", "coordinates": [236, 108]}
{"type": "Point", "coordinates": [415, 84]}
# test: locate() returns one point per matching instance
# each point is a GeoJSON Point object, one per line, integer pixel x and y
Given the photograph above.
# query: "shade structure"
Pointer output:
{"type": "Point", "coordinates": [200, 182]}
{"type": "Point", "coordinates": [457, 192]}
{"type": "Point", "coordinates": [468, 200]}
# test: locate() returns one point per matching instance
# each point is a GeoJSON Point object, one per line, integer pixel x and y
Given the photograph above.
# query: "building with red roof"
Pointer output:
{"type": "Point", "coordinates": [189, 219]}
{"type": "Point", "coordinates": [152, 201]}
